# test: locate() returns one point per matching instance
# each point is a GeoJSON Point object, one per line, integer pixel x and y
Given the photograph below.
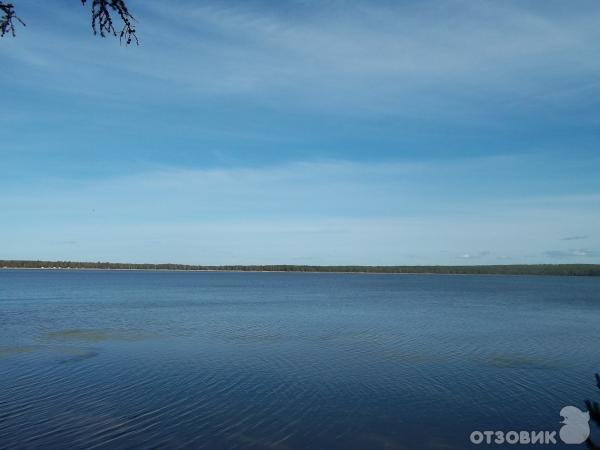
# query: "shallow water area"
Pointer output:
{"type": "Point", "coordinates": [274, 360]}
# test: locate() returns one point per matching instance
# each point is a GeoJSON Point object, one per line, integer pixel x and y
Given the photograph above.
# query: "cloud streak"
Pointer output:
{"type": "Point", "coordinates": [574, 238]}
{"type": "Point", "coordinates": [334, 212]}
{"type": "Point", "coordinates": [573, 253]}
{"type": "Point", "coordinates": [359, 57]}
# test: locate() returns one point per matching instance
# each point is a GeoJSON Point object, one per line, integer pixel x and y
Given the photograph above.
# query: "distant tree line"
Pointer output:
{"type": "Point", "coordinates": [515, 269]}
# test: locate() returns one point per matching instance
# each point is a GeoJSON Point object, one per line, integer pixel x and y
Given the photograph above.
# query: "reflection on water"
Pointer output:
{"type": "Point", "coordinates": [224, 360]}
{"type": "Point", "coordinates": [73, 354]}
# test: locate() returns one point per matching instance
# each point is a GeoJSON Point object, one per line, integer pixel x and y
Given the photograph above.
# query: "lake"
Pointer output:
{"type": "Point", "coordinates": [122, 359]}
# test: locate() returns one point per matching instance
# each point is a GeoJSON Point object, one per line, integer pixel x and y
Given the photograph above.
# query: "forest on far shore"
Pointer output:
{"type": "Point", "coordinates": [512, 269]}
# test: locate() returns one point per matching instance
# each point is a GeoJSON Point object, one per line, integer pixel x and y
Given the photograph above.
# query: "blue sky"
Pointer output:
{"type": "Point", "coordinates": [304, 132]}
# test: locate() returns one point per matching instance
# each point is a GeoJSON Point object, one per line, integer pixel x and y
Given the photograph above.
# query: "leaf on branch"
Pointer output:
{"type": "Point", "coordinates": [7, 19]}
{"type": "Point", "coordinates": [102, 22]}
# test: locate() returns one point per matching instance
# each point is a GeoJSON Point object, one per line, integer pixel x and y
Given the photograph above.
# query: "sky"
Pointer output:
{"type": "Point", "coordinates": [304, 132]}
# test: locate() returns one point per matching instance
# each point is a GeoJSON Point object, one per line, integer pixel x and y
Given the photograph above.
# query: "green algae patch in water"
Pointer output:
{"type": "Point", "coordinates": [92, 335]}
{"type": "Point", "coordinates": [78, 335]}
{"type": "Point", "coordinates": [17, 350]}
{"type": "Point", "coordinates": [509, 361]}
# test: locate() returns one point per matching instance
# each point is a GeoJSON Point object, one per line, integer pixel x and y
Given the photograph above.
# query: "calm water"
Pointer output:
{"type": "Point", "coordinates": [247, 360]}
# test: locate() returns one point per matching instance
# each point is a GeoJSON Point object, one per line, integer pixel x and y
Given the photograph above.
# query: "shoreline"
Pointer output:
{"type": "Point", "coordinates": [353, 272]}
{"type": "Point", "coordinates": [70, 269]}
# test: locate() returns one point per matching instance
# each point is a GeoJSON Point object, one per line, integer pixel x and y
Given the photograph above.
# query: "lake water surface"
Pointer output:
{"type": "Point", "coordinates": [272, 360]}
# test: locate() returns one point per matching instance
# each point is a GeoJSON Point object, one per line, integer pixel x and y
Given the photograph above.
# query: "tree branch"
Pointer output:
{"type": "Point", "coordinates": [102, 22]}
{"type": "Point", "coordinates": [594, 410]}
{"type": "Point", "coordinates": [7, 25]}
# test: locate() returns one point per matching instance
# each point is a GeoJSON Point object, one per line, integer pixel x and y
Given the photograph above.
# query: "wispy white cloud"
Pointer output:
{"type": "Point", "coordinates": [331, 212]}
{"type": "Point", "coordinates": [417, 240]}
{"type": "Point", "coordinates": [477, 255]}
{"type": "Point", "coordinates": [574, 238]}
{"type": "Point", "coordinates": [360, 57]}
{"type": "Point", "coordinates": [572, 253]}
{"type": "Point", "coordinates": [306, 189]}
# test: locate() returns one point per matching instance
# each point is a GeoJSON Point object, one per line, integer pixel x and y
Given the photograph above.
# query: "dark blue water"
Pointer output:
{"type": "Point", "coordinates": [247, 360]}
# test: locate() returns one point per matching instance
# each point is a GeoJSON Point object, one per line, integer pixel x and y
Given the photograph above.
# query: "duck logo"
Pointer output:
{"type": "Point", "coordinates": [575, 430]}
{"type": "Point", "coordinates": [575, 425]}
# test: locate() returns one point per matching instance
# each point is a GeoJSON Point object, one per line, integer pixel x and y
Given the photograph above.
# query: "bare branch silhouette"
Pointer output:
{"type": "Point", "coordinates": [7, 25]}
{"type": "Point", "coordinates": [103, 24]}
